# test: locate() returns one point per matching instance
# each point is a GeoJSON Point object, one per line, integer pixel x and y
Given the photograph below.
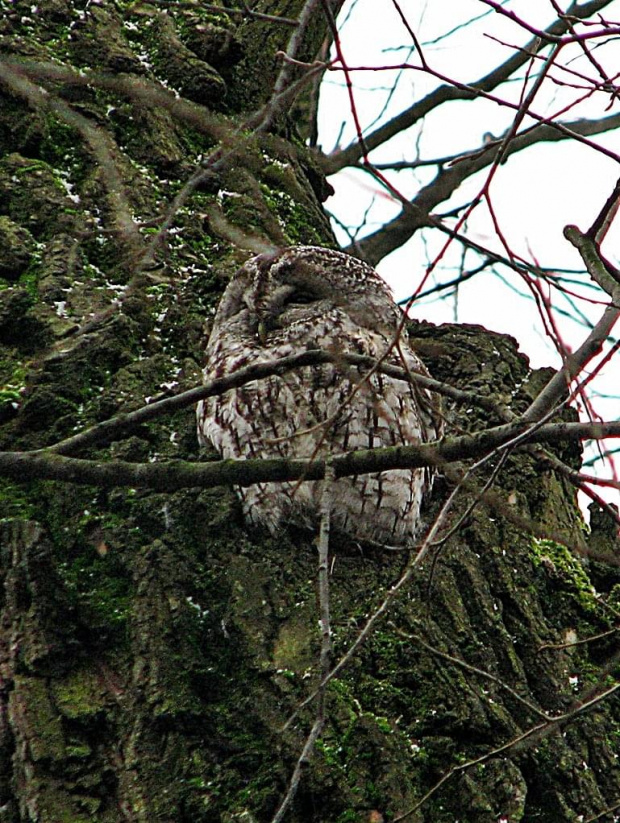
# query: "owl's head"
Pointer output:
{"type": "Point", "coordinates": [273, 290]}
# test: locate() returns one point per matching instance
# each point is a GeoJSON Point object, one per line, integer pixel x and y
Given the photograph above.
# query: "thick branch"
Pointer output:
{"type": "Point", "coordinates": [557, 387]}
{"type": "Point", "coordinates": [374, 247]}
{"type": "Point", "coordinates": [178, 474]}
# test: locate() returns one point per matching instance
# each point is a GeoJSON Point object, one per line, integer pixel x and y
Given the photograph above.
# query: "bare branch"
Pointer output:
{"type": "Point", "coordinates": [557, 387]}
{"type": "Point", "coordinates": [598, 270]}
{"type": "Point", "coordinates": [574, 363]}
{"type": "Point", "coordinates": [416, 215]}
{"type": "Point", "coordinates": [118, 426]}
{"type": "Point", "coordinates": [178, 474]}
{"type": "Point", "coordinates": [445, 93]}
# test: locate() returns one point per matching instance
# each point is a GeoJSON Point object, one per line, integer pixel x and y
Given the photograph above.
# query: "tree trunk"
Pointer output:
{"type": "Point", "coordinates": [152, 646]}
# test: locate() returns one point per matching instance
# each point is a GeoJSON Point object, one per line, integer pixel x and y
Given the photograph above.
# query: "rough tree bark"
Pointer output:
{"type": "Point", "coordinates": [152, 647]}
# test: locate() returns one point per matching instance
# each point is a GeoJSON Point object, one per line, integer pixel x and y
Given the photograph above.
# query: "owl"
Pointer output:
{"type": "Point", "coordinates": [290, 301]}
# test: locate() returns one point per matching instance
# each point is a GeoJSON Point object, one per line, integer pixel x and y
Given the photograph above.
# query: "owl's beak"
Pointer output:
{"type": "Point", "coordinates": [268, 311]}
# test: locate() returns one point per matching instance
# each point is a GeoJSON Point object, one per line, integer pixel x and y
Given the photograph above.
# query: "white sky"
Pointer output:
{"type": "Point", "coordinates": [535, 194]}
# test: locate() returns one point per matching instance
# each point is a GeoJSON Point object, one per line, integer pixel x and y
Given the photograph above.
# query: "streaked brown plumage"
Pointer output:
{"type": "Point", "coordinates": [301, 298]}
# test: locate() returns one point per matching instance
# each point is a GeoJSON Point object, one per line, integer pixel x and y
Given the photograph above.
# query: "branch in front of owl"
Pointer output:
{"type": "Point", "coordinates": [172, 475]}
{"type": "Point", "coordinates": [115, 427]}
{"type": "Point", "coordinates": [119, 426]}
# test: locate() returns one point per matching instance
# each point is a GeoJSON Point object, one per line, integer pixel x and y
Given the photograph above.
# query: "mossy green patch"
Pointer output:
{"type": "Point", "coordinates": [100, 587]}
{"type": "Point", "coordinates": [32, 696]}
{"type": "Point", "coordinates": [79, 696]}
{"type": "Point", "coordinates": [564, 567]}
{"type": "Point", "coordinates": [15, 501]}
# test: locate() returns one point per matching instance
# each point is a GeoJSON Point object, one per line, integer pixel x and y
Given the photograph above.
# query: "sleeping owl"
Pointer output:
{"type": "Point", "coordinates": [290, 301]}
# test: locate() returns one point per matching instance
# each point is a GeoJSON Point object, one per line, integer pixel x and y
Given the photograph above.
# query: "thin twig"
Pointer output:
{"type": "Point", "coordinates": [304, 758]}
{"type": "Point", "coordinates": [326, 641]}
{"type": "Point", "coordinates": [606, 811]}
{"type": "Point", "coordinates": [474, 669]}
{"type": "Point", "coordinates": [571, 644]}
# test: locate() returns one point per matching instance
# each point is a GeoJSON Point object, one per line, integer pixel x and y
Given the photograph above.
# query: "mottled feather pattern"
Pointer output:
{"type": "Point", "coordinates": [308, 297]}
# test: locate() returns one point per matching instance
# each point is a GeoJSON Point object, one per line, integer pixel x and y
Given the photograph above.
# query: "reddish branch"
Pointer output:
{"type": "Point", "coordinates": [451, 91]}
